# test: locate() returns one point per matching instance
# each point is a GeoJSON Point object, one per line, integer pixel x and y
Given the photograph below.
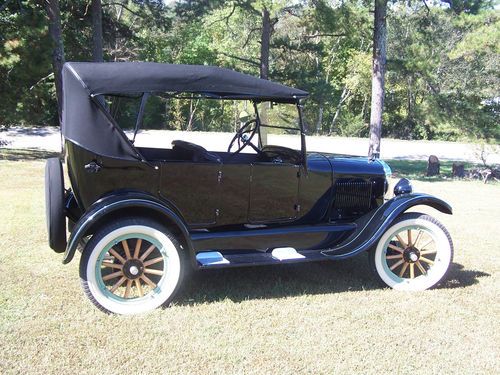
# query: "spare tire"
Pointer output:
{"type": "Point", "coordinates": [54, 205]}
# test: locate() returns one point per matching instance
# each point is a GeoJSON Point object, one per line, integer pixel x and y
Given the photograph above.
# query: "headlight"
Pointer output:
{"type": "Point", "coordinates": [403, 187]}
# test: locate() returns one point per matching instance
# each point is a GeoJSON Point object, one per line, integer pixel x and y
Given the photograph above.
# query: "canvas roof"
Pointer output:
{"type": "Point", "coordinates": [87, 124]}
{"type": "Point", "coordinates": [138, 77]}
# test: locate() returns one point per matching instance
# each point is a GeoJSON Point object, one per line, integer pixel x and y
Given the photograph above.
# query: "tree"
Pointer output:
{"type": "Point", "coordinates": [440, 82]}
{"type": "Point", "coordinates": [53, 12]}
{"type": "Point", "coordinates": [467, 6]}
{"type": "Point", "coordinates": [97, 51]}
{"type": "Point", "coordinates": [378, 76]}
{"type": "Point", "coordinates": [265, 41]}
{"type": "Point", "coordinates": [263, 11]}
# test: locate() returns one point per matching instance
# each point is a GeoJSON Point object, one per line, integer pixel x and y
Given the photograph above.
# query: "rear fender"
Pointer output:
{"type": "Point", "coordinates": [108, 207]}
{"type": "Point", "coordinates": [372, 226]}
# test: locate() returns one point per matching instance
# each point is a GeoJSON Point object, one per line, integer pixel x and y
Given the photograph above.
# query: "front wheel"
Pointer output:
{"type": "Point", "coordinates": [131, 266]}
{"type": "Point", "coordinates": [413, 254]}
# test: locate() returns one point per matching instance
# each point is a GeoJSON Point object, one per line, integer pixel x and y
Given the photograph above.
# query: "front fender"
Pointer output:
{"type": "Point", "coordinates": [129, 200]}
{"type": "Point", "coordinates": [372, 226]}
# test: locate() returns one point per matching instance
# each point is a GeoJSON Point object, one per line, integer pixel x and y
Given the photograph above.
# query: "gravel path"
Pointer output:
{"type": "Point", "coordinates": [48, 138]}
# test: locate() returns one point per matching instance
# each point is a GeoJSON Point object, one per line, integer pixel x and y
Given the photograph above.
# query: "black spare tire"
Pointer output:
{"type": "Point", "coordinates": [54, 205]}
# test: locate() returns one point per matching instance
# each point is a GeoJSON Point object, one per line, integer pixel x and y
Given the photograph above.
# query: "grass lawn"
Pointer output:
{"type": "Point", "coordinates": [315, 318]}
{"type": "Point", "coordinates": [415, 169]}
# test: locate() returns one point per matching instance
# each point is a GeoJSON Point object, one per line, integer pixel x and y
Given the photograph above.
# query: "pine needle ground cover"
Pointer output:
{"type": "Point", "coordinates": [326, 317]}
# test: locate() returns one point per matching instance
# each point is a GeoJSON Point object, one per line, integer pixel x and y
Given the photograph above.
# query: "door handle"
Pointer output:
{"type": "Point", "coordinates": [92, 167]}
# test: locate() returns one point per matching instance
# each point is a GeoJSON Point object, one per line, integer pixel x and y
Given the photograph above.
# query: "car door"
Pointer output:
{"type": "Point", "coordinates": [273, 192]}
{"type": "Point", "coordinates": [234, 193]}
{"type": "Point", "coordinates": [194, 190]}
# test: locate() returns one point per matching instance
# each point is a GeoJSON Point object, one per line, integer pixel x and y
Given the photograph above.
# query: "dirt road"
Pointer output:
{"type": "Point", "coordinates": [48, 138]}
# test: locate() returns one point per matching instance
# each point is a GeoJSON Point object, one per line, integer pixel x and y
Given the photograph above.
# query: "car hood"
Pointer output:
{"type": "Point", "coordinates": [349, 164]}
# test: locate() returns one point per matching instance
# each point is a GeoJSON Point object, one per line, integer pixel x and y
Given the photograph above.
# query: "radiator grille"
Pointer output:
{"type": "Point", "coordinates": [353, 194]}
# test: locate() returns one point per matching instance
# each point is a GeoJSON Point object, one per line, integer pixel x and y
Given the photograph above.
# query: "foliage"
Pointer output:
{"type": "Point", "coordinates": [26, 84]}
{"type": "Point", "coordinates": [442, 75]}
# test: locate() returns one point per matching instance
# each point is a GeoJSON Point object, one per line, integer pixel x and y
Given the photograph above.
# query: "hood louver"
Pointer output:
{"type": "Point", "coordinates": [353, 194]}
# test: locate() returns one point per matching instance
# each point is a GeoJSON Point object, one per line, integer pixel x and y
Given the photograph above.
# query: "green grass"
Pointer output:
{"type": "Point", "coordinates": [312, 318]}
{"type": "Point", "coordinates": [417, 169]}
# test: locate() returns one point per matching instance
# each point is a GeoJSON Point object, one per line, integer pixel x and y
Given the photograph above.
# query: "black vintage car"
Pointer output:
{"type": "Point", "coordinates": [143, 216]}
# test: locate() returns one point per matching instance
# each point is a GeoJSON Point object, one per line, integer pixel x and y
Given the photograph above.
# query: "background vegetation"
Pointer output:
{"type": "Point", "coordinates": [443, 62]}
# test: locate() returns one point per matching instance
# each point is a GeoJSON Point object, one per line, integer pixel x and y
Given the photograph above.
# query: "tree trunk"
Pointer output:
{"type": "Point", "coordinates": [265, 41]}
{"type": "Point", "coordinates": [378, 75]}
{"type": "Point", "coordinates": [97, 52]}
{"type": "Point", "coordinates": [433, 166]}
{"type": "Point", "coordinates": [319, 123]}
{"type": "Point", "coordinates": [343, 97]}
{"type": "Point", "coordinates": [192, 110]}
{"type": "Point", "coordinates": [363, 108]}
{"type": "Point", "coordinates": [53, 12]}
{"type": "Point", "coordinates": [458, 170]}
{"type": "Point", "coordinates": [119, 11]}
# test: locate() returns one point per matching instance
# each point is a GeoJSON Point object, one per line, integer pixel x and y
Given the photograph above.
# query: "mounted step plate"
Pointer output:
{"type": "Point", "coordinates": [211, 258]}
{"type": "Point", "coordinates": [214, 259]}
{"type": "Point", "coordinates": [286, 253]}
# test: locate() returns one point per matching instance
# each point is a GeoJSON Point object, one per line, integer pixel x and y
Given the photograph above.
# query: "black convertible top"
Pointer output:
{"type": "Point", "coordinates": [87, 124]}
{"type": "Point", "coordinates": [138, 77]}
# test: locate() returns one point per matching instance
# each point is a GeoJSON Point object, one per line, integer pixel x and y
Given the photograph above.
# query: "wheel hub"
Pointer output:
{"type": "Point", "coordinates": [133, 269]}
{"type": "Point", "coordinates": [411, 254]}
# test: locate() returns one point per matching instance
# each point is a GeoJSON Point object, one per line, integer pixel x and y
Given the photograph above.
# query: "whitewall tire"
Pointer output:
{"type": "Point", "coordinates": [131, 266]}
{"type": "Point", "coordinates": [413, 254]}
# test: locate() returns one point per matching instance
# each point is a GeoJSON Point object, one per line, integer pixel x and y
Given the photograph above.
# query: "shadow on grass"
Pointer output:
{"type": "Point", "coordinates": [459, 277]}
{"type": "Point", "coordinates": [13, 154]}
{"type": "Point", "coordinates": [43, 131]}
{"type": "Point", "coordinates": [240, 284]}
{"type": "Point", "coordinates": [417, 169]}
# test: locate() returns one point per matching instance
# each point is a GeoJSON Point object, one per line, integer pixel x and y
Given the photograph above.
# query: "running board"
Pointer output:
{"type": "Point", "coordinates": [261, 239]}
{"type": "Point", "coordinates": [214, 259]}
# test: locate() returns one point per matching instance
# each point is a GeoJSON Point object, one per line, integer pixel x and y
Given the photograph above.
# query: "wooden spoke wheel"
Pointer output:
{"type": "Point", "coordinates": [127, 273]}
{"type": "Point", "coordinates": [131, 266]}
{"type": "Point", "coordinates": [413, 254]}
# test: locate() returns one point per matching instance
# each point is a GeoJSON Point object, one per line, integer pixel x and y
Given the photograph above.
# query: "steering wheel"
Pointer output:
{"type": "Point", "coordinates": [244, 137]}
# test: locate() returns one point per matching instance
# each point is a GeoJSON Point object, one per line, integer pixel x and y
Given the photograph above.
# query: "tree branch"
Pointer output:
{"type": "Point", "coordinates": [427, 7]}
{"type": "Point", "coordinates": [87, 6]}
{"type": "Point", "coordinates": [226, 18]}
{"type": "Point", "coordinates": [125, 7]}
{"type": "Point", "coordinates": [41, 80]}
{"type": "Point", "coordinates": [253, 62]}
{"type": "Point", "coordinates": [249, 35]}
{"type": "Point", "coordinates": [247, 4]}
{"type": "Point", "coordinates": [322, 34]}
{"type": "Point", "coordinates": [290, 9]}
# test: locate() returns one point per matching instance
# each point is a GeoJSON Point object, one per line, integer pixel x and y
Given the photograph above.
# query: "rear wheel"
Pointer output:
{"type": "Point", "coordinates": [413, 254]}
{"type": "Point", "coordinates": [54, 205]}
{"type": "Point", "coordinates": [131, 266]}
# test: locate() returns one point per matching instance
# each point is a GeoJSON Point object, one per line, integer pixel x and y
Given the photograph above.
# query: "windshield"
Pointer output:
{"type": "Point", "coordinates": [280, 125]}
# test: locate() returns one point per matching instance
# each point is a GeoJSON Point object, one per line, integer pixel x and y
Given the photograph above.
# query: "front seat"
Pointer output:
{"type": "Point", "coordinates": [198, 153]}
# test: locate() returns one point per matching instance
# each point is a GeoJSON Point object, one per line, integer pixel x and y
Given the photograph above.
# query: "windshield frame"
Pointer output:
{"type": "Point", "coordinates": [300, 106]}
